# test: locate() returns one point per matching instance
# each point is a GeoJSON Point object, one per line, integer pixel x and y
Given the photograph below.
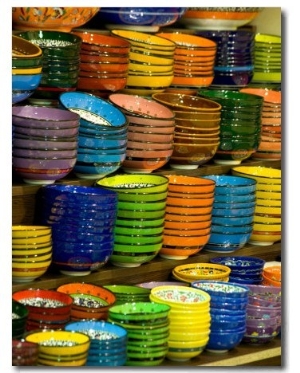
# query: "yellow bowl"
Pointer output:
{"type": "Point", "coordinates": [266, 219]}
{"type": "Point", "coordinates": [267, 227]}
{"type": "Point", "coordinates": [268, 202]}
{"type": "Point", "coordinates": [27, 276]}
{"type": "Point", "coordinates": [266, 38]}
{"type": "Point", "coordinates": [149, 69]}
{"type": "Point", "coordinates": [202, 321]}
{"type": "Point", "coordinates": [31, 265]}
{"type": "Point", "coordinates": [264, 175]}
{"type": "Point", "coordinates": [152, 81]}
{"type": "Point", "coordinates": [27, 231]}
{"type": "Point", "coordinates": [49, 340]}
{"type": "Point", "coordinates": [31, 258]}
{"type": "Point", "coordinates": [268, 210]}
{"type": "Point", "coordinates": [149, 59]}
{"type": "Point", "coordinates": [31, 250]}
{"type": "Point", "coordinates": [192, 327]}
{"type": "Point", "coordinates": [201, 271]}
{"type": "Point", "coordinates": [264, 238]}
{"type": "Point", "coordinates": [180, 278]}
{"type": "Point", "coordinates": [34, 70]}
{"type": "Point", "coordinates": [268, 195]}
{"type": "Point", "coordinates": [32, 240]}
{"type": "Point", "coordinates": [187, 336]}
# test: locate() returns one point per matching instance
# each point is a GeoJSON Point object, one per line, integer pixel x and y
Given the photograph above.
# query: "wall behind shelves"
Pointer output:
{"type": "Point", "coordinates": [268, 21]}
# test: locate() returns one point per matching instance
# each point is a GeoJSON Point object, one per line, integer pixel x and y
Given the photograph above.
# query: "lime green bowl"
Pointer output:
{"type": "Point", "coordinates": [140, 223]}
{"type": "Point", "coordinates": [140, 231]}
{"type": "Point", "coordinates": [142, 206]}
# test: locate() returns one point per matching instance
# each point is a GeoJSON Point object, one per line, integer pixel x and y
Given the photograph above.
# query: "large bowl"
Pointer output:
{"type": "Point", "coordinates": [50, 18]}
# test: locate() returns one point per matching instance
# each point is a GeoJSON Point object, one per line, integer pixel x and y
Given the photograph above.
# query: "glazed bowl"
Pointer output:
{"type": "Point", "coordinates": [24, 353]}
{"type": "Point", "coordinates": [128, 293]}
{"type": "Point", "coordinates": [19, 318]}
{"type": "Point", "coordinates": [45, 18]}
{"type": "Point", "coordinates": [263, 175]}
{"type": "Point", "coordinates": [222, 341]}
{"type": "Point", "coordinates": [201, 271]}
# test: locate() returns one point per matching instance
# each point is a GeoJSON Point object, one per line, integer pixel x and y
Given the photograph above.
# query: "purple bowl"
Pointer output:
{"type": "Point", "coordinates": [256, 310]}
{"type": "Point", "coordinates": [256, 301]}
{"type": "Point", "coordinates": [42, 117]}
{"type": "Point", "coordinates": [44, 154]}
{"type": "Point", "coordinates": [270, 293]}
{"type": "Point", "coordinates": [47, 133]}
{"type": "Point", "coordinates": [43, 144]}
{"type": "Point", "coordinates": [41, 177]}
{"type": "Point", "coordinates": [34, 164]}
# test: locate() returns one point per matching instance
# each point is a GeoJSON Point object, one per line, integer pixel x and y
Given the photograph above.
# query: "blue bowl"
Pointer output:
{"type": "Point", "coordinates": [21, 95]}
{"type": "Point", "coordinates": [25, 82]}
{"type": "Point", "coordinates": [101, 151]}
{"type": "Point", "coordinates": [240, 262]}
{"type": "Point", "coordinates": [55, 206]}
{"type": "Point", "coordinates": [222, 289]}
{"type": "Point", "coordinates": [104, 158]}
{"type": "Point", "coordinates": [235, 78]}
{"type": "Point", "coordinates": [227, 229]}
{"type": "Point", "coordinates": [78, 194]}
{"type": "Point", "coordinates": [93, 109]}
{"type": "Point", "coordinates": [234, 314]}
{"type": "Point", "coordinates": [234, 185]}
{"type": "Point", "coordinates": [229, 198]}
{"type": "Point", "coordinates": [100, 142]}
{"type": "Point", "coordinates": [232, 221]}
{"type": "Point", "coordinates": [83, 238]}
{"type": "Point", "coordinates": [225, 340]}
{"type": "Point", "coordinates": [120, 360]}
{"type": "Point", "coordinates": [234, 205]}
{"type": "Point", "coordinates": [94, 129]}
{"type": "Point", "coordinates": [78, 224]}
{"type": "Point", "coordinates": [95, 171]}
{"type": "Point", "coordinates": [233, 212]}
{"type": "Point", "coordinates": [226, 240]}
{"type": "Point", "coordinates": [219, 302]}
{"type": "Point", "coordinates": [216, 248]}
{"type": "Point", "coordinates": [246, 281]}
{"type": "Point", "coordinates": [223, 324]}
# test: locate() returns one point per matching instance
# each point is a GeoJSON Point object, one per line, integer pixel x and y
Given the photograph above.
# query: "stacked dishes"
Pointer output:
{"type": "Point", "coordinates": [19, 318]}
{"type": "Point", "coordinates": [267, 59]}
{"type": "Point", "coordinates": [108, 342]}
{"type": "Point", "coordinates": [146, 79]}
{"type": "Point", "coordinates": [194, 60]}
{"type": "Point", "coordinates": [234, 64]}
{"type": "Point", "coordinates": [104, 63]}
{"type": "Point", "coordinates": [129, 293]}
{"type": "Point", "coordinates": [138, 19]}
{"type": "Point", "coordinates": [272, 275]}
{"type": "Point", "coordinates": [244, 270]}
{"type": "Point", "coordinates": [31, 252]}
{"type": "Point", "coordinates": [188, 216]}
{"type": "Point", "coordinates": [89, 301]}
{"type": "Point", "coordinates": [263, 314]}
{"type": "Point", "coordinates": [197, 126]}
{"type": "Point", "coordinates": [270, 145]}
{"type": "Point", "coordinates": [227, 330]}
{"type": "Point", "coordinates": [232, 214]}
{"type": "Point", "coordinates": [147, 325]}
{"type": "Point", "coordinates": [47, 309]}
{"type": "Point", "coordinates": [150, 132]}
{"type": "Point", "coordinates": [267, 213]}
{"type": "Point", "coordinates": [60, 60]}
{"type": "Point", "coordinates": [26, 68]}
{"type": "Point", "coordinates": [82, 220]}
{"type": "Point", "coordinates": [24, 353]}
{"type": "Point", "coordinates": [189, 319]}
{"type": "Point", "coordinates": [102, 139]}
{"type": "Point", "coordinates": [60, 348]}
{"type": "Point", "coordinates": [201, 271]}
{"type": "Point", "coordinates": [138, 233]}
{"type": "Point", "coordinates": [240, 130]}
{"type": "Point", "coordinates": [44, 143]}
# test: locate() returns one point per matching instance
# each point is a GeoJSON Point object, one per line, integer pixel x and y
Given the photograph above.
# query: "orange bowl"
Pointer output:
{"type": "Point", "coordinates": [189, 202]}
{"type": "Point", "coordinates": [51, 18]}
{"type": "Point", "coordinates": [170, 240]}
{"type": "Point", "coordinates": [187, 225]}
{"type": "Point", "coordinates": [178, 217]}
{"type": "Point", "coordinates": [273, 273]}
{"type": "Point", "coordinates": [189, 211]}
{"type": "Point", "coordinates": [178, 252]}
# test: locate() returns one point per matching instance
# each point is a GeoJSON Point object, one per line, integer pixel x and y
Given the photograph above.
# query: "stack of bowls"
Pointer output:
{"type": "Point", "coordinates": [147, 325]}
{"type": "Point", "coordinates": [89, 301]}
{"type": "Point", "coordinates": [194, 59]}
{"type": "Point", "coordinates": [234, 64]}
{"type": "Point", "coordinates": [146, 79]}
{"type": "Point", "coordinates": [24, 353]}
{"type": "Point", "coordinates": [272, 275]}
{"type": "Point", "coordinates": [226, 330]}
{"type": "Point", "coordinates": [201, 271]}
{"type": "Point", "coordinates": [104, 63]}
{"type": "Point", "coordinates": [240, 129]}
{"type": "Point", "coordinates": [197, 128]}
{"type": "Point", "coordinates": [19, 318]}
{"type": "Point", "coordinates": [48, 18]}
{"type": "Point", "coordinates": [267, 59]}
{"type": "Point", "coordinates": [108, 342]}
{"type": "Point", "coordinates": [232, 214]}
{"type": "Point", "coordinates": [31, 252]}
{"type": "Point", "coordinates": [44, 143]}
{"type": "Point", "coordinates": [61, 59]}
{"type": "Point", "coordinates": [267, 213]}
{"type": "Point", "coordinates": [138, 233]}
{"type": "Point", "coordinates": [82, 220]}
{"type": "Point", "coordinates": [263, 314]}
{"type": "Point", "coordinates": [188, 216]}
{"type": "Point", "coordinates": [26, 68]}
{"type": "Point", "coordinates": [139, 19]}
{"type": "Point", "coordinates": [270, 145]}
{"type": "Point", "coordinates": [128, 293]}
{"type": "Point", "coordinates": [189, 319]}
{"type": "Point", "coordinates": [47, 309]}
{"type": "Point", "coordinates": [60, 348]}
{"type": "Point", "coordinates": [102, 139]}
{"type": "Point", "coordinates": [245, 270]}
{"type": "Point", "coordinates": [150, 132]}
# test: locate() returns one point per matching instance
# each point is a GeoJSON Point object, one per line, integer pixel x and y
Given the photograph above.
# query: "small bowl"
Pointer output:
{"type": "Point", "coordinates": [201, 271]}
{"type": "Point", "coordinates": [221, 341]}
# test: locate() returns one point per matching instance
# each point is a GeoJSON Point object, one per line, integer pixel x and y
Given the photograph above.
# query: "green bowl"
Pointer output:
{"type": "Point", "coordinates": [128, 290]}
{"type": "Point", "coordinates": [232, 98]}
{"type": "Point", "coordinates": [20, 62]}
{"type": "Point", "coordinates": [147, 231]}
{"type": "Point", "coordinates": [133, 214]}
{"type": "Point", "coordinates": [149, 335]}
{"type": "Point", "coordinates": [140, 311]}
{"type": "Point", "coordinates": [252, 118]}
{"type": "Point", "coordinates": [140, 223]}
{"type": "Point", "coordinates": [155, 328]}
{"type": "Point", "coordinates": [240, 129]}
{"type": "Point", "coordinates": [131, 249]}
{"type": "Point", "coordinates": [142, 197]}
{"type": "Point", "coordinates": [136, 342]}
{"type": "Point", "coordinates": [129, 260]}
{"type": "Point", "coordinates": [136, 241]}
{"type": "Point", "coordinates": [135, 183]}
{"type": "Point", "coordinates": [142, 206]}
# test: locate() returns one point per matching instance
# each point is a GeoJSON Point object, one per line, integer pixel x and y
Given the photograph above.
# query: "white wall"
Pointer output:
{"type": "Point", "coordinates": [268, 21]}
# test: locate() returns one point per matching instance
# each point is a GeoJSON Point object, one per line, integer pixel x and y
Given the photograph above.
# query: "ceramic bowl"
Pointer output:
{"type": "Point", "coordinates": [232, 185]}
{"type": "Point", "coordinates": [60, 347]}
{"type": "Point", "coordinates": [19, 318]}
{"type": "Point", "coordinates": [24, 353]}
{"type": "Point", "coordinates": [263, 175]}
{"type": "Point", "coordinates": [222, 341]}
{"type": "Point", "coordinates": [25, 53]}
{"type": "Point", "coordinates": [128, 293]}
{"type": "Point", "coordinates": [45, 18]}
{"type": "Point", "coordinates": [201, 271]}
